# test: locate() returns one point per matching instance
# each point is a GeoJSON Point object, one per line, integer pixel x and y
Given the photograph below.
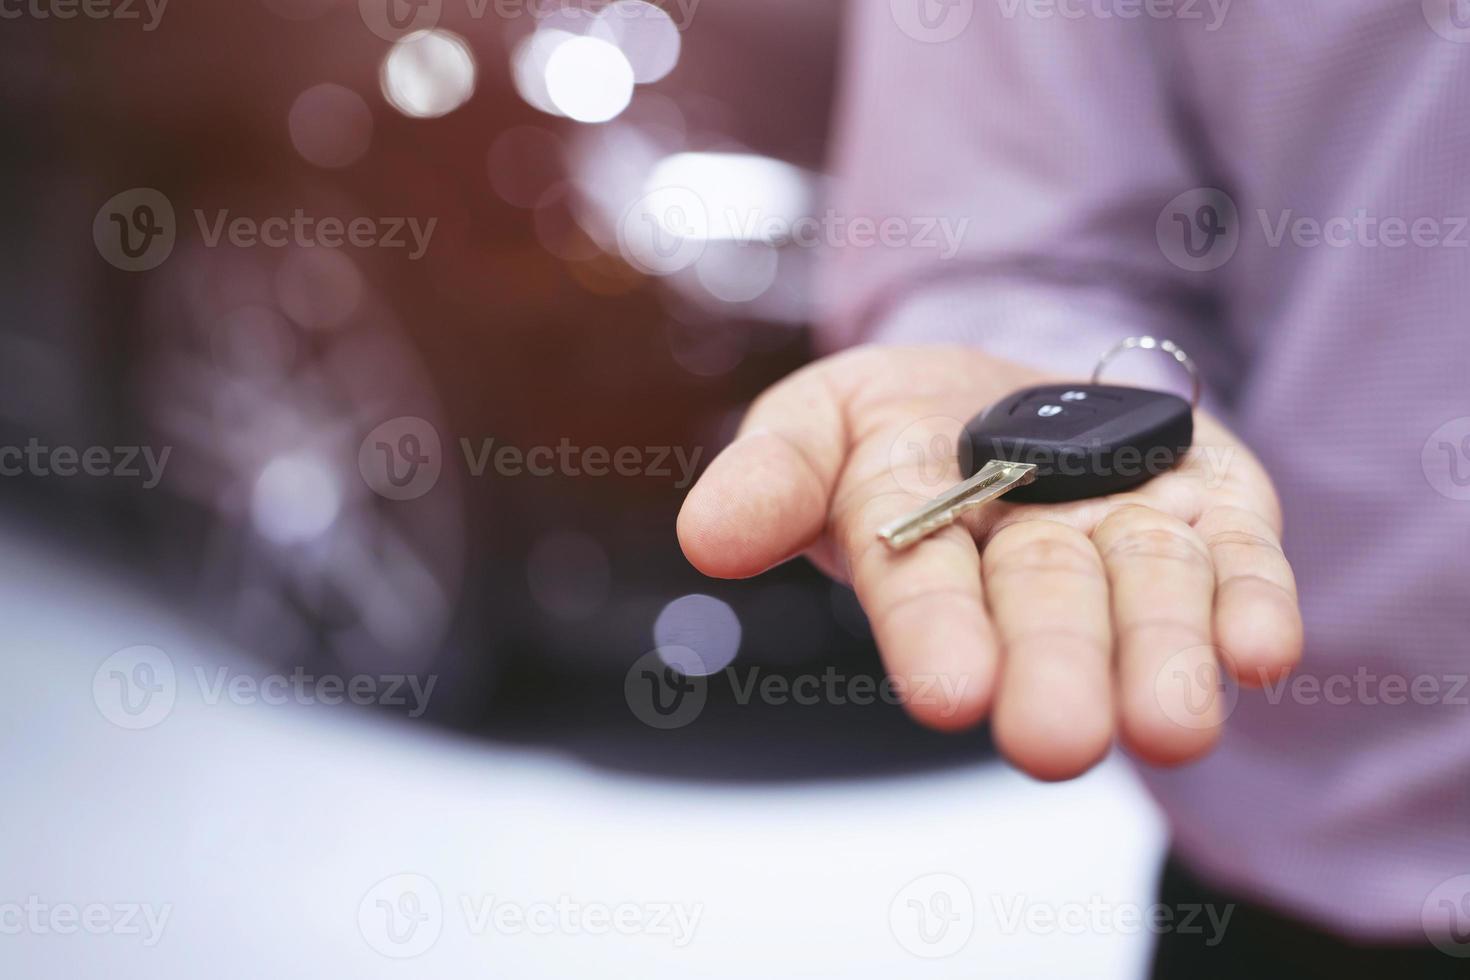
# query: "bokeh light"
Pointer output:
{"type": "Point", "coordinates": [589, 79]}
{"type": "Point", "coordinates": [428, 74]}
{"type": "Point", "coordinates": [646, 35]}
{"type": "Point", "coordinates": [528, 67]}
{"type": "Point", "coordinates": [745, 197]}
{"type": "Point", "coordinates": [331, 126]}
{"type": "Point", "coordinates": [737, 272]}
{"type": "Point", "coordinates": [700, 623]}
{"type": "Point", "coordinates": [318, 288]}
{"type": "Point", "coordinates": [706, 349]}
{"type": "Point", "coordinates": [296, 497]}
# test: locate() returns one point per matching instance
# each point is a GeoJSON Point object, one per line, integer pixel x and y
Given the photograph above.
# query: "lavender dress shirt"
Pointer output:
{"type": "Point", "coordinates": [1283, 188]}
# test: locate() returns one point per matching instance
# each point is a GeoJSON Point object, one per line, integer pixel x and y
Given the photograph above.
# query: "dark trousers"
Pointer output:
{"type": "Point", "coordinates": [1259, 943]}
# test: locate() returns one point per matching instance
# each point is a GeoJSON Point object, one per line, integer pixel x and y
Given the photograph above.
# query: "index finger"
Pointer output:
{"type": "Point", "coordinates": [926, 603]}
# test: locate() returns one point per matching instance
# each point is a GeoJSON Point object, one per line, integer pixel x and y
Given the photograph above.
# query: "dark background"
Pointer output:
{"type": "Point", "coordinates": [515, 326]}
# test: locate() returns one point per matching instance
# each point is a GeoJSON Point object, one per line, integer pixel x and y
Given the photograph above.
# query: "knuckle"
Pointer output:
{"type": "Point", "coordinates": [1016, 549]}
{"type": "Point", "coordinates": [919, 600]}
{"type": "Point", "coordinates": [1043, 639]}
{"type": "Point", "coordinates": [1256, 580]}
{"type": "Point", "coordinates": [1255, 506]}
{"type": "Point", "coordinates": [1127, 507]}
{"type": "Point", "coordinates": [1156, 543]}
{"type": "Point", "coordinates": [1241, 537]}
{"type": "Point", "coordinates": [1191, 632]}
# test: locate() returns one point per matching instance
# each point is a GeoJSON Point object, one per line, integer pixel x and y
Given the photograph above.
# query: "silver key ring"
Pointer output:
{"type": "Point", "coordinates": [1149, 343]}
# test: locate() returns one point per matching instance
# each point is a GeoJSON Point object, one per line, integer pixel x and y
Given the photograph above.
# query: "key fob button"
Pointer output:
{"type": "Point", "coordinates": [1048, 404]}
{"type": "Point", "coordinates": [1073, 411]}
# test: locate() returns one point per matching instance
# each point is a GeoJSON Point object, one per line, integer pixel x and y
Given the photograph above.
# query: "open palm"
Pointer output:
{"type": "Point", "coordinates": [1072, 621]}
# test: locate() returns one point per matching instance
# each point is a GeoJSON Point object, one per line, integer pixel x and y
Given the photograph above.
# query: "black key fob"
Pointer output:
{"type": "Point", "coordinates": [1085, 440]}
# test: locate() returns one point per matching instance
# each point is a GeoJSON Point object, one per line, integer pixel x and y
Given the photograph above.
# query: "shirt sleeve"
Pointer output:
{"type": "Point", "coordinates": [1027, 160]}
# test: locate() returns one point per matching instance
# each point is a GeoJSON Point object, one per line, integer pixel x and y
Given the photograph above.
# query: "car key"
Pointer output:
{"type": "Point", "coordinates": [1057, 443]}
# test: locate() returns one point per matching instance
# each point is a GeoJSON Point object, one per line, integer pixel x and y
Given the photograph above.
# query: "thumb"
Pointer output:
{"type": "Point", "coordinates": [765, 498]}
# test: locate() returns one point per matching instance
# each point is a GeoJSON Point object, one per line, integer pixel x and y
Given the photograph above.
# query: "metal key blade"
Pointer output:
{"type": "Point", "coordinates": [993, 480]}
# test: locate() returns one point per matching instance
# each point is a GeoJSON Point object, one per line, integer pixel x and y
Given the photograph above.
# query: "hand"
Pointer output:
{"type": "Point", "coordinates": [1073, 620]}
